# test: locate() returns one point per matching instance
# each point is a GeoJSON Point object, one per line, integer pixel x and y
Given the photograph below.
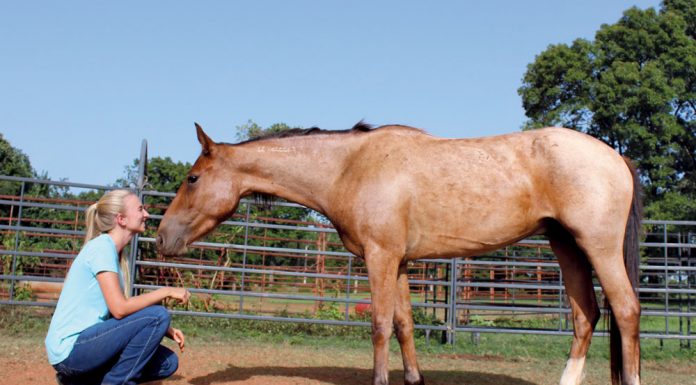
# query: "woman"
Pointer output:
{"type": "Point", "coordinates": [98, 335]}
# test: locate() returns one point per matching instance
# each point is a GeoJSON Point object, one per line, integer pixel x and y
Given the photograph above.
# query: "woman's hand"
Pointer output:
{"type": "Point", "coordinates": [177, 336]}
{"type": "Point", "coordinates": [180, 294]}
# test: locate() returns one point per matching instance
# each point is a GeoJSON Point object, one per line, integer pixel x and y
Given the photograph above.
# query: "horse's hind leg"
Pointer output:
{"type": "Point", "coordinates": [625, 308]}
{"type": "Point", "coordinates": [602, 243]}
{"type": "Point", "coordinates": [577, 276]}
{"type": "Point", "coordinates": [403, 325]}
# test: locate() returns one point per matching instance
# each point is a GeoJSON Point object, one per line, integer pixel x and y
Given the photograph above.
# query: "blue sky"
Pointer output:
{"type": "Point", "coordinates": [82, 83]}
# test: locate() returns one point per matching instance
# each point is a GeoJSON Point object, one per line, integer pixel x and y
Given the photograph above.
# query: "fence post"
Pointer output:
{"type": "Point", "coordinates": [244, 259]}
{"type": "Point", "coordinates": [16, 242]}
{"type": "Point", "coordinates": [666, 253]}
{"type": "Point", "coordinates": [135, 244]}
{"type": "Point", "coordinates": [561, 316]}
{"type": "Point", "coordinates": [452, 319]}
{"type": "Point", "coordinates": [348, 279]}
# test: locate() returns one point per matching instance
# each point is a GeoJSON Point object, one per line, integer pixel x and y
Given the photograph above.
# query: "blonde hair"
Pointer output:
{"type": "Point", "coordinates": [101, 218]}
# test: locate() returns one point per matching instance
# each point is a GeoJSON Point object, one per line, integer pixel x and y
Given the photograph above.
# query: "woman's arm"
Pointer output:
{"type": "Point", "coordinates": [120, 306]}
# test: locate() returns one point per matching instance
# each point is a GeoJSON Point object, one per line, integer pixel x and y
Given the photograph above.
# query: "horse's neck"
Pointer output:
{"type": "Point", "coordinates": [298, 169]}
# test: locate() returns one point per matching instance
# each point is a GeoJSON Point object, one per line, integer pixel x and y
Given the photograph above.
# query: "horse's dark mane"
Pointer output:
{"type": "Point", "coordinates": [358, 127]}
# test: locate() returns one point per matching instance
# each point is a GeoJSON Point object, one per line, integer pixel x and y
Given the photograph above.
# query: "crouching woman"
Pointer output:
{"type": "Point", "coordinates": [98, 334]}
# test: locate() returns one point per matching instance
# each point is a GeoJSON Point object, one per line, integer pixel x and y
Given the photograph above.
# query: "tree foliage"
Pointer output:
{"type": "Point", "coordinates": [13, 162]}
{"type": "Point", "coordinates": [251, 130]}
{"type": "Point", "coordinates": [633, 87]}
{"type": "Point", "coordinates": [163, 174]}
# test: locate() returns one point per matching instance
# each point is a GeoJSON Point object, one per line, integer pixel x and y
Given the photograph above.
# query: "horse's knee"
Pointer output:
{"type": "Point", "coordinates": [381, 333]}
{"type": "Point", "coordinates": [628, 319]}
{"type": "Point", "coordinates": [403, 329]}
{"type": "Point", "coordinates": [585, 323]}
{"type": "Point", "coordinates": [627, 312]}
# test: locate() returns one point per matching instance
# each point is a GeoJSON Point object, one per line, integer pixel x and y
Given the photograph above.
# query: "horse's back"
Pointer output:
{"type": "Point", "coordinates": [540, 159]}
{"type": "Point", "coordinates": [455, 196]}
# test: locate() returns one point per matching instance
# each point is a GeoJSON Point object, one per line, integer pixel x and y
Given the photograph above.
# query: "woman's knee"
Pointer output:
{"type": "Point", "coordinates": [163, 316]}
{"type": "Point", "coordinates": [158, 311]}
{"type": "Point", "coordinates": [159, 315]}
{"type": "Point", "coordinates": [162, 312]}
{"type": "Point", "coordinates": [169, 362]}
{"type": "Point", "coordinates": [172, 364]}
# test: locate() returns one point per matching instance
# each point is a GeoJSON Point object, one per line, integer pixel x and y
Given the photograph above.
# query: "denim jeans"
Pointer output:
{"type": "Point", "coordinates": [124, 351]}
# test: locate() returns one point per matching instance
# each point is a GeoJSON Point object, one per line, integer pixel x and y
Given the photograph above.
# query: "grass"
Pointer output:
{"type": "Point", "coordinates": [32, 323]}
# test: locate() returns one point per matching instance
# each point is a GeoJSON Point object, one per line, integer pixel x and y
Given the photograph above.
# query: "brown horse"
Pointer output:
{"type": "Point", "coordinates": [397, 194]}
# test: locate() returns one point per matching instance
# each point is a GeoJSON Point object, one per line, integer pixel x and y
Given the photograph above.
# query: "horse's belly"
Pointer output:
{"type": "Point", "coordinates": [468, 242]}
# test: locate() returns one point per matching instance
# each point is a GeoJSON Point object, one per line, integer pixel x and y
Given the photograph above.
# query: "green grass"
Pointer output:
{"type": "Point", "coordinates": [27, 322]}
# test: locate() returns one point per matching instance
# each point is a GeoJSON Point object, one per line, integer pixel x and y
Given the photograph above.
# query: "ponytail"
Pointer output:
{"type": "Point", "coordinates": [91, 230]}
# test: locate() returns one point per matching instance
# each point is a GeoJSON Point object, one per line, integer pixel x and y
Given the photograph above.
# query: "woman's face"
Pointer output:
{"type": "Point", "coordinates": [134, 214]}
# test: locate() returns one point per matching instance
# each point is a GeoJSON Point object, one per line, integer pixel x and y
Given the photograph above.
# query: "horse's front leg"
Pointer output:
{"type": "Point", "coordinates": [382, 269]}
{"type": "Point", "coordinates": [403, 323]}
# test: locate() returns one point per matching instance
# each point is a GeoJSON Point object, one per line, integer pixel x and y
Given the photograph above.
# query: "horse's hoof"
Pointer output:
{"type": "Point", "coordinates": [420, 381]}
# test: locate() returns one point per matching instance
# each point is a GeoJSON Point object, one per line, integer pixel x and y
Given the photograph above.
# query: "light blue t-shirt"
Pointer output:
{"type": "Point", "coordinates": [81, 303]}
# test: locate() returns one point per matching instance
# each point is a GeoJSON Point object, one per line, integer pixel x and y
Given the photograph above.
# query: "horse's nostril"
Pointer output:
{"type": "Point", "coordinates": [160, 241]}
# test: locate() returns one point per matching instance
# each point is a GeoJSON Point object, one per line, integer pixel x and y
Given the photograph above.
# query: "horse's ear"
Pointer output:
{"type": "Point", "coordinates": [205, 141]}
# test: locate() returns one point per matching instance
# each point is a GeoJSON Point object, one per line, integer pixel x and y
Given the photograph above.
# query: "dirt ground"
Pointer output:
{"type": "Point", "coordinates": [23, 362]}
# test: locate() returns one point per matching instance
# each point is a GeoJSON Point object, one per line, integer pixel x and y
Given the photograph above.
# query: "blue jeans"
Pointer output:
{"type": "Point", "coordinates": [121, 352]}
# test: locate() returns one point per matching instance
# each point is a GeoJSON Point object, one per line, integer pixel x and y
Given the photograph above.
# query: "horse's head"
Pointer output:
{"type": "Point", "coordinates": [208, 196]}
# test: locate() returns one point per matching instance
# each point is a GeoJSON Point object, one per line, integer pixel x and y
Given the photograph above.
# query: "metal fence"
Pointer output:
{"type": "Point", "coordinates": [263, 267]}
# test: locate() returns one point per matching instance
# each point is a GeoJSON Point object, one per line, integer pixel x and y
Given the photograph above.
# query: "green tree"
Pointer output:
{"type": "Point", "coordinates": [13, 162]}
{"type": "Point", "coordinates": [251, 130]}
{"type": "Point", "coordinates": [634, 87]}
{"type": "Point", "coordinates": [162, 174]}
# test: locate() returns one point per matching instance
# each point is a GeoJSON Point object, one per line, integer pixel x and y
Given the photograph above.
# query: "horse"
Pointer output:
{"type": "Point", "coordinates": [396, 194]}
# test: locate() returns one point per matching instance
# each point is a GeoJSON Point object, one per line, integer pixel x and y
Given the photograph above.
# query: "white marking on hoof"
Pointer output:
{"type": "Point", "coordinates": [636, 380]}
{"type": "Point", "coordinates": [573, 373]}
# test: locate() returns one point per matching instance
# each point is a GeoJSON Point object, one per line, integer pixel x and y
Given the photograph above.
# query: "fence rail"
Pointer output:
{"type": "Point", "coordinates": [263, 268]}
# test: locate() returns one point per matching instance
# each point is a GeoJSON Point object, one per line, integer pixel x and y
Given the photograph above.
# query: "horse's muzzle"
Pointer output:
{"type": "Point", "coordinates": [169, 245]}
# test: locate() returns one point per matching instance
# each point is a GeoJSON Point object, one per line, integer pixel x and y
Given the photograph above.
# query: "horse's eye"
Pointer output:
{"type": "Point", "coordinates": [192, 179]}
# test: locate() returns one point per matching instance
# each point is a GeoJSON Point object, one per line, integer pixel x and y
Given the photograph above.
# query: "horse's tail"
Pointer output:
{"type": "Point", "coordinates": [631, 261]}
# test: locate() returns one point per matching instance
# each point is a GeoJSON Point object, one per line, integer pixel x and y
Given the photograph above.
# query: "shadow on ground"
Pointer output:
{"type": "Point", "coordinates": [352, 376]}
